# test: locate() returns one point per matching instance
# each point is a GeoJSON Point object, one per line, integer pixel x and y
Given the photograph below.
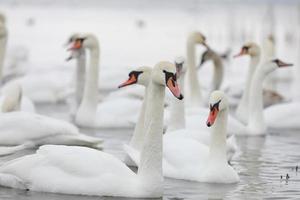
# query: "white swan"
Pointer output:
{"type": "Point", "coordinates": [193, 90]}
{"type": "Point", "coordinates": [40, 130]}
{"type": "Point", "coordinates": [79, 78]}
{"type": "Point", "coordinates": [90, 113]}
{"type": "Point", "coordinates": [3, 42]}
{"type": "Point", "coordinates": [204, 164]}
{"type": "Point", "coordinates": [253, 50]}
{"type": "Point", "coordinates": [256, 121]}
{"type": "Point", "coordinates": [80, 170]}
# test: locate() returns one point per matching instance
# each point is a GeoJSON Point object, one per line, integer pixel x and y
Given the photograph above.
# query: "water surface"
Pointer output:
{"type": "Point", "coordinates": [260, 162]}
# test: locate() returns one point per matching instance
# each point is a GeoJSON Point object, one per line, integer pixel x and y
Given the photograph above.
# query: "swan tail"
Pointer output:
{"type": "Point", "coordinates": [133, 154]}
{"type": "Point", "coordinates": [9, 180]}
{"type": "Point", "coordinates": [13, 149]}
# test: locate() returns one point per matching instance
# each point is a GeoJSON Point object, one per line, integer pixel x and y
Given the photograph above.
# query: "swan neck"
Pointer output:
{"type": "Point", "coordinates": [193, 92]}
{"type": "Point", "coordinates": [80, 75]}
{"type": "Point", "coordinates": [243, 107]}
{"type": "Point", "coordinates": [150, 170]}
{"type": "Point", "coordinates": [217, 148]}
{"type": "Point", "coordinates": [139, 129]}
{"type": "Point", "coordinates": [256, 119]}
{"type": "Point", "coordinates": [218, 73]}
{"type": "Point", "coordinates": [88, 106]}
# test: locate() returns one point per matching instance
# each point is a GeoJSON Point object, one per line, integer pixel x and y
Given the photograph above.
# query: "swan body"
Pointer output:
{"type": "Point", "coordinates": [80, 170]}
{"type": "Point", "coordinates": [41, 130]}
{"type": "Point", "coordinates": [283, 116]}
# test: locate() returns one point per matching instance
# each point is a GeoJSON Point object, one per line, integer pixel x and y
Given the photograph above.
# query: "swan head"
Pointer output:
{"type": "Point", "coordinates": [75, 53]}
{"type": "Point", "coordinates": [198, 38]}
{"type": "Point", "coordinates": [164, 74]}
{"type": "Point", "coordinates": [140, 76]}
{"type": "Point", "coordinates": [217, 103]}
{"type": "Point", "coordinates": [180, 67]}
{"type": "Point", "coordinates": [273, 64]}
{"type": "Point", "coordinates": [252, 49]}
{"type": "Point", "coordinates": [88, 41]}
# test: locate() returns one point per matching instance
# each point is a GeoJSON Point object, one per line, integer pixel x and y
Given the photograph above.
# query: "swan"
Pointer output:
{"type": "Point", "coordinates": [85, 171]}
{"type": "Point", "coordinates": [90, 113]}
{"type": "Point", "coordinates": [3, 42]}
{"type": "Point", "coordinates": [205, 163]}
{"type": "Point", "coordinates": [12, 99]}
{"type": "Point", "coordinates": [218, 75]}
{"type": "Point", "coordinates": [256, 121]}
{"type": "Point", "coordinates": [80, 56]}
{"type": "Point", "coordinates": [193, 89]}
{"type": "Point", "coordinates": [253, 50]}
{"type": "Point", "coordinates": [39, 130]}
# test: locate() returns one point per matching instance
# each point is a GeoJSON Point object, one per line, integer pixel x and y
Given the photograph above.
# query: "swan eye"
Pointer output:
{"type": "Point", "coordinates": [169, 75]}
{"type": "Point", "coordinates": [275, 61]}
{"type": "Point", "coordinates": [215, 106]}
{"type": "Point", "coordinates": [246, 48]}
{"type": "Point", "coordinates": [135, 74]}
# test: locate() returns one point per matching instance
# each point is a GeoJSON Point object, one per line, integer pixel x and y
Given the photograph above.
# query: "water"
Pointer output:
{"type": "Point", "coordinates": [260, 162]}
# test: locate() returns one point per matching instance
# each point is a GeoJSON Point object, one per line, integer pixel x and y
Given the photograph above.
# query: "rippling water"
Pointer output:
{"type": "Point", "coordinates": [260, 162]}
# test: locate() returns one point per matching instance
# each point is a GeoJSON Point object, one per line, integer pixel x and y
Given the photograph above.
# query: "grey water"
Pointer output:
{"type": "Point", "coordinates": [260, 162]}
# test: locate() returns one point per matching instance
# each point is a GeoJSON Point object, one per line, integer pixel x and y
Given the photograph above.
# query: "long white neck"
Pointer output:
{"type": "Point", "coordinates": [193, 90]}
{"type": "Point", "coordinates": [243, 107]}
{"type": "Point", "coordinates": [217, 149]}
{"type": "Point", "coordinates": [256, 123]}
{"type": "Point", "coordinates": [80, 76]}
{"type": "Point", "coordinates": [218, 73]}
{"type": "Point", "coordinates": [150, 170]}
{"type": "Point", "coordinates": [87, 110]}
{"type": "Point", "coordinates": [139, 129]}
{"type": "Point", "coordinates": [3, 41]}
{"type": "Point", "coordinates": [177, 110]}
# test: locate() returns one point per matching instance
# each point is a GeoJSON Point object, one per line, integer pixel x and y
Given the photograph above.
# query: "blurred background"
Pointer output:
{"type": "Point", "coordinates": [141, 32]}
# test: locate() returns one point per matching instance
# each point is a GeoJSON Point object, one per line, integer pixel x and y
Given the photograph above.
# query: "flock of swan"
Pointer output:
{"type": "Point", "coordinates": [187, 133]}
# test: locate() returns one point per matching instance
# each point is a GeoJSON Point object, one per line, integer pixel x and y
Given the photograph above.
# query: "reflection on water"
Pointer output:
{"type": "Point", "coordinates": [260, 163]}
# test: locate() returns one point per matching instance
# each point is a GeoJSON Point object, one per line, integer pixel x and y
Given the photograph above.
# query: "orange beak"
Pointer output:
{"type": "Point", "coordinates": [212, 116]}
{"type": "Point", "coordinates": [76, 45]}
{"type": "Point", "coordinates": [242, 52]}
{"type": "Point", "coordinates": [173, 86]}
{"type": "Point", "coordinates": [130, 81]}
